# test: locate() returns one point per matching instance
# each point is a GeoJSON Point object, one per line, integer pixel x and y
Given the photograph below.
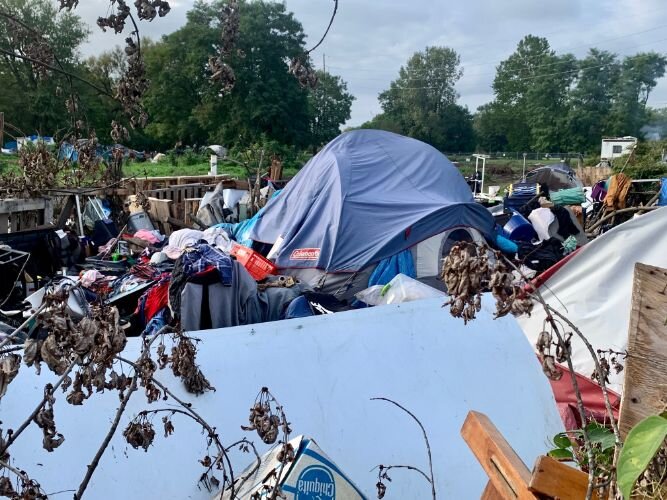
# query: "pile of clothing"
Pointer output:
{"type": "Point", "coordinates": [541, 227]}
{"type": "Point", "coordinates": [193, 279]}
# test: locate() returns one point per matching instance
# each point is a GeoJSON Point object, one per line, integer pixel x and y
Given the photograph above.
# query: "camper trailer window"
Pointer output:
{"type": "Point", "coordinates": [617, 149]}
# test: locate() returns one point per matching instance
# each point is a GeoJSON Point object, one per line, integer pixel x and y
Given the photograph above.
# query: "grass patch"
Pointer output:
{"type": "Point", "coordinates": [169, 169]}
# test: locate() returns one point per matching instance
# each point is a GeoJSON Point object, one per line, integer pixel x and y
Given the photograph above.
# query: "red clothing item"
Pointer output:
{"type": "Point", "coordinates": [157, 298]}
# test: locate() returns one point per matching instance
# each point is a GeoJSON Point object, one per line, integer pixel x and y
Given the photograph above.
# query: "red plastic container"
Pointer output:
{"type": "Point", "coordinates": [258, 267]}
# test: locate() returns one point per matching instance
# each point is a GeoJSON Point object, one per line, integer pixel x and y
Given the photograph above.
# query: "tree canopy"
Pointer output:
{"type": "Point", "coordinates": [267, 104]}
{"type": "Point", "coordinates": [422, 101]}
{"type": "Point", "coordinates": [29, 102]}
{"type": "Point", "coordinates": [542, 100]}
{"type": "Point", "coordinates": [549, 102]}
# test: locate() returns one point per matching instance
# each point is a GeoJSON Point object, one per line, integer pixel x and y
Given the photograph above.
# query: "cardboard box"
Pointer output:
{"type": "Point", "coordinates": [311, 476]}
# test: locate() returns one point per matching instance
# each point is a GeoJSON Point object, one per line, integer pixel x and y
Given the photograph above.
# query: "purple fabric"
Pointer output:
{"type": "Point", "coordinates": [599, 192]}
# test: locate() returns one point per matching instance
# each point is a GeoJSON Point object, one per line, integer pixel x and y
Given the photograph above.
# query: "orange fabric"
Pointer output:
{"type": "Point", "coordinates": [617, 192]}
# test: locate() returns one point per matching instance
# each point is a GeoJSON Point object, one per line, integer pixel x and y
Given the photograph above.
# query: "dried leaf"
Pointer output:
{"type": "Point", "coordinates": [9, 368]}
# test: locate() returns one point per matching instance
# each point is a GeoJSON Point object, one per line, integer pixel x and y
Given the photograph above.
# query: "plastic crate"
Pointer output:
{"type": "Point", "coordinates": [258, 267]}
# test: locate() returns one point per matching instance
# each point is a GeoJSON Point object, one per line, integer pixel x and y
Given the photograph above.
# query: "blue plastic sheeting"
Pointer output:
{"type": "Point", "coordinates": [506, 245]}
{"type": "Point", "coordinates": [299, 308]}
{"type": "Point", "coordinates": [387, 269]}
{"type": "Point", "coordinates": [241, 231]}
{"type": "Point", "coordinates": [662, 201]}
{"type": "Point", "coordinates": [366, 196]}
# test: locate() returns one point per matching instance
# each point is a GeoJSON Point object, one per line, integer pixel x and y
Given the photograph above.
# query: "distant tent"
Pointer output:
{"type": "Point", "coordinates": [368, 195]}
{"type": "Point", "coordinates": [555, 177]}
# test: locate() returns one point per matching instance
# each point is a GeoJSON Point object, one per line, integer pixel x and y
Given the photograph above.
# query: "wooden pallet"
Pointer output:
{"type": "Point", "coordinates": [23, 214]}
{"type": "Point", "coordinates": [509, 477]}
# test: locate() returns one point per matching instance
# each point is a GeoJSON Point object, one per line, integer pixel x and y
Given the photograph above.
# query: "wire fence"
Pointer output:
{"type": "Point", "coordinates": [530, 156]}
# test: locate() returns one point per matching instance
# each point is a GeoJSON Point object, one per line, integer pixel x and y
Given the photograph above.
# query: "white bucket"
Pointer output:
{"type": "Point", "coordinates": [493, 190]}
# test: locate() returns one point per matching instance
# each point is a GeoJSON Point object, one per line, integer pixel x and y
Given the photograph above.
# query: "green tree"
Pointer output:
{"type": "Point", "coordinates": [382, 121]}
{"type": "Point", "coordinates": [176, 68]}
{"type": "Point", "coordinates": [29, 102]}
{"type": "Point", "coordinates": [266, 102]}
{"type": "Point", "coordinates": [491, 127]}
{"type": "Point", "coordinates": [532, 87]}
{"type": "Point", "coordinates": [330, 107]}
{"type": "Point", "coordinates": [591, 100]}
{"type": "Point", "coordinates": [422, 100]}
{"type": "Point", "coordinates": [638, 77]}
{"type": "Point", "coordinates": [656, 127]}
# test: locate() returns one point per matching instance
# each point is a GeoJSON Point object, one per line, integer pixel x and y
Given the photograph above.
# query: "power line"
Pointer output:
{"type": "Point", "coordinates": [523, 69]}
{"type": "Point", "coordinates": [533, 77]}
{"type": "Point", "coordinates": [571, 47]}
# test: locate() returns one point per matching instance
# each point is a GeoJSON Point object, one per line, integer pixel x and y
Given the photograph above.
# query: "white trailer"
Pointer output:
{"type": "Point", "coordinates": [615, 147]}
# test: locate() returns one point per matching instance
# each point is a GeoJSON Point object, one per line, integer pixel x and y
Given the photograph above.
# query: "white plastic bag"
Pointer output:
{"type": "Point", "coordinates": [400, 289]}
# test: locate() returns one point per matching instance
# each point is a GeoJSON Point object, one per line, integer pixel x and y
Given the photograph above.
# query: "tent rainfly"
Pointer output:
{"type": "Point", "coordinates": [366, 196]}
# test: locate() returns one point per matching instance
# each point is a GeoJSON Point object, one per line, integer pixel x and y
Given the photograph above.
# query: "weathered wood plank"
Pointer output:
{"type": "Point", "coordinates": [645, 388]}
{"type": "Point", "coordinates": [11, 205]}
{"type": "Point", "coordinates": [47, 216]}
{"type": "Point", "coordinates": [160, 212]}
{"type": "Point", "coordinates": [491, 493]}
{"type": "Point", "coordinates": [506, 470]}
{"type": "Point", "coordinates": [558, 480]}
{"type": "Point", "coordinates": [4, 223]}
{"type": "Point", "coordinates": [66, 212]}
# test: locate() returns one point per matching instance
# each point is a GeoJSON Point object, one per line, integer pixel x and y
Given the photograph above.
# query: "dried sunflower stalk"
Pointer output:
{"type": "Point", "coordinates": [468, 272]}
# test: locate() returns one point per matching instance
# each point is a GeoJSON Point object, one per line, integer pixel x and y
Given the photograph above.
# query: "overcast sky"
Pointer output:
{"type": "Point", "coordinates": [371, 39]}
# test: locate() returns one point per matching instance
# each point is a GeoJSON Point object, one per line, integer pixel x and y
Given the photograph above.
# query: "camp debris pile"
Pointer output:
{"type": "Point", "coordinates": [336, 237]}
{"type": "Point", "coordinates": [200, 279]}
{"type": "Point", "coordinates": [550, 214]}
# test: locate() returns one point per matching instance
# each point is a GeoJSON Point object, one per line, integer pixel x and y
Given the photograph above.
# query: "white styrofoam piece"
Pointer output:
{"type": "Point", "coordinates": [324, 370]}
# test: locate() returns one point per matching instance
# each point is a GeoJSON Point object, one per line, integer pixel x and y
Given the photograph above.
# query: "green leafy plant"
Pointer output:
{"type": "Point", "coordinates": [569, 448]}
{"type": "Point", "coordinates": [643, 443]}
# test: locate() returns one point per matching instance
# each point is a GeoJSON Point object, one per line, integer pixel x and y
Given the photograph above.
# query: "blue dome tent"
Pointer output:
{"type": "Point", "coordinates": [366, 196]}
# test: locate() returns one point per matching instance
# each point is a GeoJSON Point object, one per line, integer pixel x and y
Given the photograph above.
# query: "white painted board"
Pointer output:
{"type": "Point", "coordinates": [324, 370]}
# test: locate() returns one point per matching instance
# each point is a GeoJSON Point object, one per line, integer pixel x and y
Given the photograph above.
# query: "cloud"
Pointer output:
{"type": "Point", "coordinates": [371, 39]}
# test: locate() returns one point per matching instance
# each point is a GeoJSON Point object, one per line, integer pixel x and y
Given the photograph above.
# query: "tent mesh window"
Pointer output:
{"type": "Point", "coordinates": [452, 239]}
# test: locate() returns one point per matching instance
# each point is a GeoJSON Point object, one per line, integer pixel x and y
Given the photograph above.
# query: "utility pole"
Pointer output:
{"type": "Point", "coordinates": [2, 129]}
{"type": "Point", "coordinates": [524, 167]}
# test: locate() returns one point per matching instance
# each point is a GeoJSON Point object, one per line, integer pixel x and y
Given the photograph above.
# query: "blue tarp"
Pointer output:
{"type": "Point", "coordinates": [662, 201]}
{"type": "Point", "coordinates": [389, 268]}
{"type": "Point", "coordinates": [367, 196]}
{"type": "Point", "coordinates": [240, 232]}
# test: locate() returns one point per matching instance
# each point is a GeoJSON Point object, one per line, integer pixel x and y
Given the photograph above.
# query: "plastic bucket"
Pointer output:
{"type": "Point", "coordinates": [139, 220]}
{"type": "Point", "coordinates": [518, 228]}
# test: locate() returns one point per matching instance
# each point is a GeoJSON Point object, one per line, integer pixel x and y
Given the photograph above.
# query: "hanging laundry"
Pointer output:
{"type": "Point", "coordinates": [618, 191]}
